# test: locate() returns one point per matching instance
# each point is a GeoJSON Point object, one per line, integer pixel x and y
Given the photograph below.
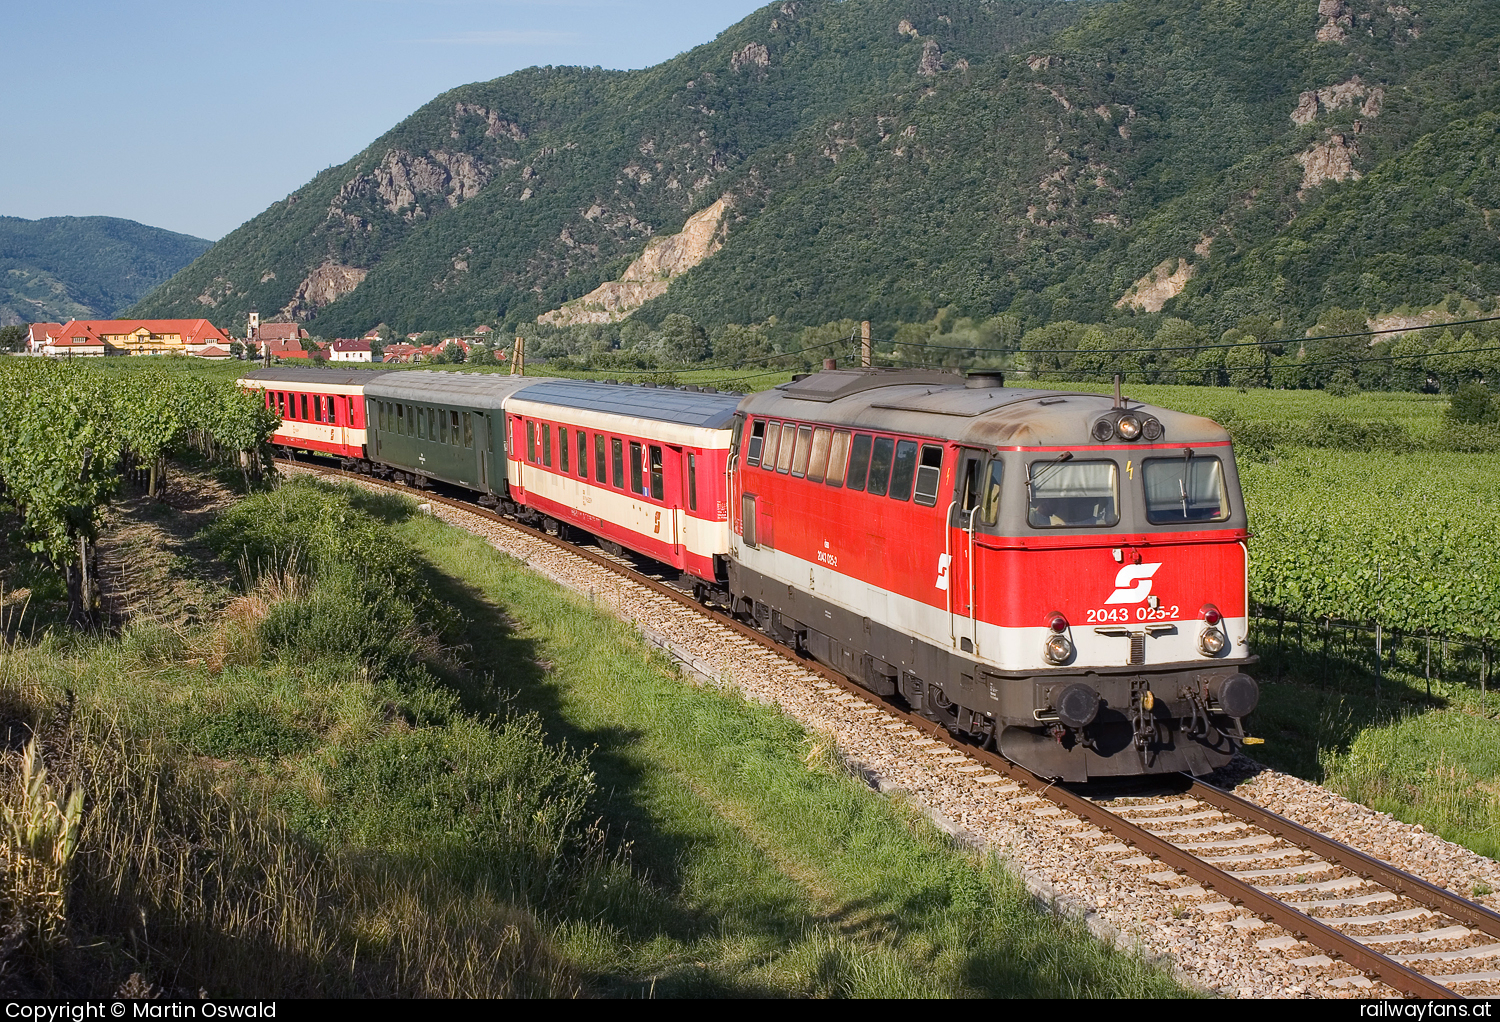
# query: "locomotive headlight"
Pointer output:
{"type": "Point", "coordinates": [1128, 426]}
{"type": "Point", "coordinates": [1151, 429]}
{"type": "Point", "coordinates": [1058, 649]}
{"type": "Point", "coordinates": [1103, 430]}
{"type": "Point", "coordinates": [1212, 642]}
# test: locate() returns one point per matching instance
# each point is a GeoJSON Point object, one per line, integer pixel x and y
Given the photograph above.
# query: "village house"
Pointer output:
{"type": "Point", "coordinates": [345, 350]}
{"type": "Point", "coordinates": [401, 353]}
{"type": "Point", "coordinates": [129, 337]}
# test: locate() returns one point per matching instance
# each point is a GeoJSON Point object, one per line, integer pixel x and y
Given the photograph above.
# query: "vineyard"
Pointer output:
{"type": "Point", "coordinates": [73, 430]}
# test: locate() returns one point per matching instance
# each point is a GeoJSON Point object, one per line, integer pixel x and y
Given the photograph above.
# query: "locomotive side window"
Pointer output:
{"type": "Point", "coordinates": [637, 476]}
{"type": "Point", "coordinates": [838, 458]}
{"type": "Point", "coordinates": [547, 444]}
{"type": "Point", "coordinates": [599, 457]}
{"type": "Point", "coordinates": [804, 448]}
{"type": "Point", "coordinates": [583, 454]}
{"type": "Point", "coordinates": [757, 441]}
{"type": "Point", "coordinates": [562, 449]}
{"type": "Point", "coordinates": [618, 457]}
{"type": "Point", "coordinates": [1073, 494]}
{"type": "Point", "coordinates": [929, 474]}
{"type": "Point", "coordinates": [819, 462]}
{"type": "Point", "coordinates": [905, 469]}
{"type": "Point", "coordinates": [531, 441]}
{"type": "Point", "coordinates": [880, 466]}
{"type": "Point", "coordinates": [1185, 489]}
{"type": "Point", "coordinates": [859, 461]}
{"type": "Point", "coordinates": [768, 453]}
{"type": "Point", "coordinates": [656, 478]}
{"type": "Point", "coordinates": [990, 511]}
{"type": "Point", "coordinates": [788, 447]}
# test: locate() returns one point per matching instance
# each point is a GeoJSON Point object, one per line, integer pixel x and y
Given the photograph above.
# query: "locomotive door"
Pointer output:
{"type": "Point", "coordinates": [956, 565]}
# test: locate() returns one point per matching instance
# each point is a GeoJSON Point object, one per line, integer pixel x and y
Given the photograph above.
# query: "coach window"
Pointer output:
{"type": "Point", "coordinates": [599, 458]}
{"type": "Point", "coordinates": [424, 419]}
{"type": "Point", "coordinates": [351, 410]}
{"type": "Point", "coordinates": [583, 454]}
{"type": "Point", "coordinates": [768, 453]}
{"type": "Point", "coordinates": [411, 420]}
{"type": "Point", "coordinates": [881, 456]}
{"type": "Point", "coordinates": [531, 441]}
{"type": "Point", "coordinates": [399, 424]}
{"type": "Point", "coordinates": [788, 447]}
{"type": "Point", "coordinates": [859, 461]}
{"type": "Point", "coordinates": [656, 480]}
{"type": "Point", "coordinates": [453, 426]}
{"type": "Point", "coordinates": [928, 474]}
{"type": "Point", "coordinates": [317, 407]}
{"type": "Point", "coordinates": [989, 510]}
{"type": "Point", "coordinates": [905, 469]}
{"type": "Point", "coordinates": [692, 483]}
{"type": "Point", "coordinates": [804, 449]}
{"type": "Point", "coordinates": [562, 449]}
{"type": "Point", "coordinates": [637, 473]}
{"type": "Point", "coordinates": [443, 426]}
{"type": "Point", "coordinates": [547, 444]}
{"type": "Point", "coordinates": [617, 456]}
{"type": "Point", "coordinates": [1072, 494]}
{"type": "Point", "coordinates": [818, 464]}
{"type": "Point", "coordinates": [757, 441]}
{"type": "Point", "coordinates": [469, 430]}
{"type": "Point", "coordinates": [303, 416]}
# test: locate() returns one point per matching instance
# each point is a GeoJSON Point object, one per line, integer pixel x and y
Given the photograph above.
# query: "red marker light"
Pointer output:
{"type": "Point", "coordinates": [1057, 622]}
{"type": "Point", "coordinates": [1210, 614]}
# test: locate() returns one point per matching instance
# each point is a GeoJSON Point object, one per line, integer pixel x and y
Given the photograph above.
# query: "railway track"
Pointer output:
{"type": "Point", "coordinates": [1334, 902]}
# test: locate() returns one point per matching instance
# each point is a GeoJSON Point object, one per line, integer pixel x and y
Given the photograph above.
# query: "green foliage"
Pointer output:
{"type": "Point", "coordinates": [68, 267]}
{"type": "Point", "coordinates": [1472, 403]}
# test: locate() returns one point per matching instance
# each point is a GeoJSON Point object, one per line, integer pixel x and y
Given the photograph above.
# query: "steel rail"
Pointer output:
{"type": "Point", "coordinates": [1372, 963]}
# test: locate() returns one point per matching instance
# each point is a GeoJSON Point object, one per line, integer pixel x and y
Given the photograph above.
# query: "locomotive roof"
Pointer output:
{"type": "Point", "coordinates": [328, 377]}
{"type": "Point", "coordinates": [660, 404]}
{"type": "Point", "coordinates": [978, 410]}
{"type": "Point", "coordinates": [470, 390]}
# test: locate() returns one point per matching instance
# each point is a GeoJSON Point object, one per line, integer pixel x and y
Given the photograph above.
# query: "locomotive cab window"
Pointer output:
{"type": "Point", "coordinates": [757, 441]}
{"type": "Point", "coordinates": [1073, 494]}
{"type": "Point", "coordinates": [928, 475]}
{"type": "Point", "coordinates": [1185, 489]}
{"type": "Point", "coordinates": [989, 511]}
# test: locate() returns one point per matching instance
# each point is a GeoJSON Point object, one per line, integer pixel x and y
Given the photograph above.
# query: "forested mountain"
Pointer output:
{"type": "Point", "coordinates": [1087, 161]}
{"type": "Point", "coordinates": [67, 267]}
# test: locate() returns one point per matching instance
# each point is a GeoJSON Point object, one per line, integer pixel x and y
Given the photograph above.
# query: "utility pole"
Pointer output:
{"type": "Point", "coordinates": [864, 344]}
{"type": "Point", "coordinates": [518, 357]}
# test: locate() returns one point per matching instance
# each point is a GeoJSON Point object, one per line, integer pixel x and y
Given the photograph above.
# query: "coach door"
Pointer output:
{"type": "Point", "coordinates": [956, 563]}
{"type": "Point", "coordinates": [482, 448]}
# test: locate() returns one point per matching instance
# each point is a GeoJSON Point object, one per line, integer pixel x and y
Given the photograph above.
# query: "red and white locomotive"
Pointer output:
{"type": "Point", "coordinates": [1058, 574]}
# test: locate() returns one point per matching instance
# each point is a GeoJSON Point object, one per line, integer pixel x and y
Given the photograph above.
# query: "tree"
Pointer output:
{"type": "Point", "coordinates": [1473, 403]}
{"type": "Point", "coordinates": [682, 341]}
{"type": "Point", "coordinates": [12, 338]}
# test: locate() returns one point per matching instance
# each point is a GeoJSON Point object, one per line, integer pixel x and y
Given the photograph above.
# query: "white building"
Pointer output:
{"type": "Point", "coordinates": [349, 351]}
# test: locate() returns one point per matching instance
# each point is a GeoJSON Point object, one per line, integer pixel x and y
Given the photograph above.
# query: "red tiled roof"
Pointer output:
{"type": "Point", "coordinates": [192, 331]}
{"type": "Point", "coordinates": [213, 351]}
{"type": "Point", "coordinates": [38, 332]}
{"type": "Point", "coordinates": [281, 332]}
{"type": "Point", "coordinates": [344, 344]}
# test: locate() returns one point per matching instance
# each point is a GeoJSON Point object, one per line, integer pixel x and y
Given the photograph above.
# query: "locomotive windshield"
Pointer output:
{"type": "Point", "coordinates": [1073, 494]}
{"type": "Point", "coordinates": [1185, 489]}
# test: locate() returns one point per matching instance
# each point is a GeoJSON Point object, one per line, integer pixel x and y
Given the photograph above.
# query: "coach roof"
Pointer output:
{"type": "Point", "coordinates": [660, 404]}
{"type": "Point", "coordinates": [461, 390]}
{"type": "Point", "coordinates": [327, 377]}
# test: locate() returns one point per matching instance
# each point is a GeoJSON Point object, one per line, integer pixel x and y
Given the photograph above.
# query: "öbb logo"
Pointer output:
{"type": "Point", "coordinates": [1133, 583]}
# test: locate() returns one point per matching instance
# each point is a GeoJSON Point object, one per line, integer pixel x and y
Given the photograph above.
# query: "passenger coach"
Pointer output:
{"type": "Point", "coordinates": [321, 410]}
{"type": "Point", "coordinates": [1055, 572]}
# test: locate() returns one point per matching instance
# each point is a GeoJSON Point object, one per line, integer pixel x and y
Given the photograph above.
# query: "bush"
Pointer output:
{"type": "Point", "coordinates": [1473, 404]}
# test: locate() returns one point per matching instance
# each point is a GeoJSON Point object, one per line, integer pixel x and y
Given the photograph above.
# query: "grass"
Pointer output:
{"type": "Point", "coordinates": [496, 790]}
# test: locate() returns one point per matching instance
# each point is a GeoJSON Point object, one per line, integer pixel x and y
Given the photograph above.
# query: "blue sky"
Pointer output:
{"type": "Point", "coordinates": [195, 116]}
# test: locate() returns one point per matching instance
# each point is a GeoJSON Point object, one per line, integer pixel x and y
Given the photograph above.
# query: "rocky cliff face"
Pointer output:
{"type": "Point", "coordinates": [648, 276]}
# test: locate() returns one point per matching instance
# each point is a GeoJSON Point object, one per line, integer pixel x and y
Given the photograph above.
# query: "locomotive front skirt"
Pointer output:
{"type": "Point", "coordinates": [1060, 575]}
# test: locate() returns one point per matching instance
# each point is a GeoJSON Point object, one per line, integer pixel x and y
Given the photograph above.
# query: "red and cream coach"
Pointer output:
{"type": "Point", "coordinates": [1057, 573]}
{"type": "Point", "coordinates": [321, 410]}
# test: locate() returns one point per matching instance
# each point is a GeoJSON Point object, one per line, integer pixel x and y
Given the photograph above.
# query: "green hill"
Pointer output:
{"type": "Point", "coordinates": [68, 267]}
{"type": "Point", "coordinates": [1082, 161]}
